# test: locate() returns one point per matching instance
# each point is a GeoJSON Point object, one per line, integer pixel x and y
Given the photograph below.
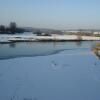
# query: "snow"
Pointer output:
{"type": "Point", "coordinates": [31, 37]}
{"type": "Point", "coordinates": [67, 75]}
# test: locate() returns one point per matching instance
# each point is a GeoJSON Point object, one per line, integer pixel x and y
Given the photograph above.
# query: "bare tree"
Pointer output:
{"type": "Point", "coordinates": [2, 28]}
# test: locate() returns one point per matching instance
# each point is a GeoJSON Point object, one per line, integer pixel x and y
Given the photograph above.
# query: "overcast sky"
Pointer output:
{"type": "Point", "coordinates": [57, 14]}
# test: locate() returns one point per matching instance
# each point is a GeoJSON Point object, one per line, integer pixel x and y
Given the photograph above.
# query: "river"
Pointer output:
{"type": "Point", "coordinates": [49, 71]}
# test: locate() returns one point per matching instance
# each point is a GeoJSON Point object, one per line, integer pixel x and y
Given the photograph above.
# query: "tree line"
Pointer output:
{"type": "Point", "coordinates": [11, 29]}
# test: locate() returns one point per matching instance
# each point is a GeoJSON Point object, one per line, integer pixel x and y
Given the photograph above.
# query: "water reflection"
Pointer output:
{"type": "Point", "coordinates": [12, 45]}
{"type": "Point", "coordinates": [13, 50]}
{"type": "Point", "coordinates": [79, 43]}
{"type": "Point", "coordinates": [57, 77]}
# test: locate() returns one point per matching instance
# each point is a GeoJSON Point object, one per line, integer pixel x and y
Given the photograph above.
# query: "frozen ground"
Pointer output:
{"type": "Point", "coordinates": [30, 37]}
{"type": "Point", "coordinates": [68, 75]}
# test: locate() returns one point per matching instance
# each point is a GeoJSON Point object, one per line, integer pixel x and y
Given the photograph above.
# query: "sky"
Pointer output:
{"type": "Point", "coordinates": [53, 14]}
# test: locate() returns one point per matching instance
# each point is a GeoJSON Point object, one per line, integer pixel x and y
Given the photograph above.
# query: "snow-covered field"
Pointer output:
{"type": "Point", "coordinates": [31, 37]}
{"type": "Point", "coordinates": [67, 75]}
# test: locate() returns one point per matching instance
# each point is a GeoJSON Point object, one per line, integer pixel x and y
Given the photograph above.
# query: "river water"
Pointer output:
{"type": "Point", "coordinates": [49, 71]}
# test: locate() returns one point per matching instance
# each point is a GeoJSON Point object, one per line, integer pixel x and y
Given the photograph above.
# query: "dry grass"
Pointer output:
{"type": "Point", "coordinates": [98, 45]}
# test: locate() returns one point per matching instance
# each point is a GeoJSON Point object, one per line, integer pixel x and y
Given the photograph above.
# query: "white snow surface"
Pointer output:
{"type": "Point", "coordinates": [68, 75]}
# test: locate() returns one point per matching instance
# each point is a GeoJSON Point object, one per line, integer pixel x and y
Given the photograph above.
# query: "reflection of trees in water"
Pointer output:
{"type": "Point", "coordinates": [12, 45]}
{"type": "Point", "coordinates": [79, 43]}
{"type": "Point", "coordinates": [54, 44]}
{"type": "Point", "coordinates": [1, 44]}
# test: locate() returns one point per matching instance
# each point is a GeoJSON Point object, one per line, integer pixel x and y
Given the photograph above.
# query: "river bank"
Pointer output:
{"type": "Point", "coordinates": [32, 38]}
